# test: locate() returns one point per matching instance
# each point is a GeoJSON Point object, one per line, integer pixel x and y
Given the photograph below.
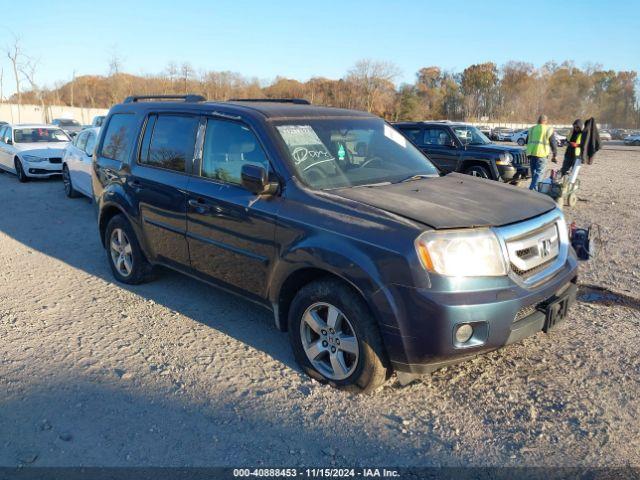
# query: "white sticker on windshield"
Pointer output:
{"type": "Point", "coordinates": [297, 135]}
{"type": "Point", "coordinates": [396, 136]}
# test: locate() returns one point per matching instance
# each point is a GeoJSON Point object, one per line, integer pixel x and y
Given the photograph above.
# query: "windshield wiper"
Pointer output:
{"type": "Point", "coordinates": [420, 176]}
{"type": "Point", "coordinates": [379, 184]}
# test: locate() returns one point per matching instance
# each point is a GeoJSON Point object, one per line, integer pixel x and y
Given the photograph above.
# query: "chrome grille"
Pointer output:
{"type": "Point", "coordinates": [520, 159]}
{"type": "Point", "coordinates": [535, 248]}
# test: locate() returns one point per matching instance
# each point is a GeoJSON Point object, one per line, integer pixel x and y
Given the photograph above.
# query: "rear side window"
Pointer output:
{"type": "Point", "coordinates": [169, 141]}
{"type": "Point", "coordinates": [91, 143]}
{"type": "Point", "coordinates": [81, 140]}
{"type": "Point", "coordinates": [227, 147]}
{"type": "Point", "coordinates": [437, 136]}
{"type": "Point", "coordinates": [119, 137]}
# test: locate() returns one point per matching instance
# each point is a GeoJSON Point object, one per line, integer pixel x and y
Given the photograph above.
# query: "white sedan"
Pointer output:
{"type": "Point", "coordinates": [32, 151]}
{"type": "Point", "coordinates": [76, 163]}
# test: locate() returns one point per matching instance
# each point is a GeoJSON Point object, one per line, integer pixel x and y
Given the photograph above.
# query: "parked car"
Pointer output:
{"type": "Point", "coordinates": [605, 135]}
{"type": "Point", "coordinates": [561, 135]}
{"type": "Point", "coordinates": [501, 134]}
{"type": "Point", "coordinates": [520, 137]}
{"type": "Point", "coordinates": [98, 121]}
{"type": "Point", "coordinates": [331, 219]}
{"type": "Point", "coordinates": [70, 126]}
{"type": "Point", "coordinates": [77, 162]}
{"type": "Point", "coordinates": [633, 139]}
{"type": "Point", "coordinates": [619, 133]}
{"type": "Point", "coordinates": [457, 147]}
{"type": "Point", "coordinates": [485, 129]}
{"type": "Point", "coordinates": [32, 151]}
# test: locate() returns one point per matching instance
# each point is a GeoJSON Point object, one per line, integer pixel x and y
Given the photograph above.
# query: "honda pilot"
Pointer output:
{"type": "Point", "coordinates": [370, 258]}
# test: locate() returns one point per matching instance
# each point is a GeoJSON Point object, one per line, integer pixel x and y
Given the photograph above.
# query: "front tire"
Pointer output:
{"type": "Point", "coordinates": [335, 339]}
{"type": "Point", "coordinates": [124, 254]}
{"type": "Point", "coordinates": [22, 177]}
{"type": "Point", "coordinates": [68, 184]}
{"type": "Point", "coordinates": [521, 142]}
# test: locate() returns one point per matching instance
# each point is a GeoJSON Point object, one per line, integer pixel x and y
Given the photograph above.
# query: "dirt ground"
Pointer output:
{"type": "Point", "coordinates": [176, 373]}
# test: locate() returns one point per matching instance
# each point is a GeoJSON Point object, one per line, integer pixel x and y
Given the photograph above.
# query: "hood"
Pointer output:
{"type": "Point", "coordinates": [495, 148]}
{"type": "Point", "coordinates": [42, 149]}
{"type": "Point", "coordinates": [454, 201]}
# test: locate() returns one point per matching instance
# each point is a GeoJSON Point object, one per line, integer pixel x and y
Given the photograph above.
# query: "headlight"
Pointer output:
{"type": "Point", "coordinates": [461, 253]}
{"type": "Point", "coordinates": [32, 158]}
{"type": "Point", "coordinates": [504, 159]}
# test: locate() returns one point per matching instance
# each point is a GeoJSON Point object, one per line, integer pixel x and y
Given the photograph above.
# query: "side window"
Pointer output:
{"type": "Point", "coordinates": [3, 133]}
{"type": "Point", "coordinates": [227, 147]}
{"type": "Point", "coordinates": [119, 137]}
{"type": "Point", "coordinates": [437, 137]}
{"type": "Point", "coordinates": [413, 134]}
{"type": "Point", "coordinates": [81, 140]}
{"type": "Point", "coordinates": [91, 143]}
{"type": "Point", "coordinates": [169, 141]}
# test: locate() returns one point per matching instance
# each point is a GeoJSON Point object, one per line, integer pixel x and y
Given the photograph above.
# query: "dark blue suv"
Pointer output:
{"type": "Point", "coordinates": [369, 257]}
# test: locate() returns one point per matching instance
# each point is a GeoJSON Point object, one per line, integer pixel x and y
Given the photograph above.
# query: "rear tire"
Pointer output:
{"type": "Point", "coordinates": [124, 254]}
{"type": "Point", "coordinates": [68, 184]}
{"type": "Point", "coordinates": [521, 142]}
{"type": "Point", "coordinates": [22, 177]}
{"type": "Point", "coordinates": [330, 322]}
{"type": "Point", "coordinates": [478, 171]}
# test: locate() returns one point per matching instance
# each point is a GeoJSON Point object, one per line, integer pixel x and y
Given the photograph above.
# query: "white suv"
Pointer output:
{"type": "Point", "coordinates": [32, 151]}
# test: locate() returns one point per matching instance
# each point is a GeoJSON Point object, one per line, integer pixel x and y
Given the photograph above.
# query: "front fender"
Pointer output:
{"type": "Point", "coordinates": [363, 266]}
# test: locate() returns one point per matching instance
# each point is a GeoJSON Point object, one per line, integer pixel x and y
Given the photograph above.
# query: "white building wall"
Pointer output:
{"type": "Point", "coordinates": [13, 113]}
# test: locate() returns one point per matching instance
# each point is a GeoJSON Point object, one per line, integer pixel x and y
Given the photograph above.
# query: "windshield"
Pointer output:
{"type": "Point", "coordinates": [67, 123]}
{"type": "Point", "coordinates": [351, 152]}
{"type": "Point", "coordinates": [35, 135]}
{"type": "Point", "coordinates": [469, 135]}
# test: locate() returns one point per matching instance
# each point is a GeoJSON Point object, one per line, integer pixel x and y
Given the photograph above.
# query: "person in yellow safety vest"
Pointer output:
{"type": "Point", "coordinates": [539, 140]}
{"type": "Point", "coordinates": [573, 147]}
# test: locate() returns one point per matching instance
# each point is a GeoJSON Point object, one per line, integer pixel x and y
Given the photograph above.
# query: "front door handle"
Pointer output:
{"type": "Point", "coordinates": [199, 205]}
{"type": "Point", "coordinates": [135, 184]}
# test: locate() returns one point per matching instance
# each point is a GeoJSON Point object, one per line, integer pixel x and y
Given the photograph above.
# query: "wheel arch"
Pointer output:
{"type": "Point", "coordinates": [297, 279]}
{"type": "Point", "coordinates": [106, 214]}
{"type": "Point", "coordinates": [476, 162]}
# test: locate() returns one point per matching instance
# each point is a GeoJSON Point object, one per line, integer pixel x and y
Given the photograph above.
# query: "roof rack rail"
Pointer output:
{"type": "Point", "coordinates": [298, 101]}
{"type": "Point", "coordinates": [187, 98]}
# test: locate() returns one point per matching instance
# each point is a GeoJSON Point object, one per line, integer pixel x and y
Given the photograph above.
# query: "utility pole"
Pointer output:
{"type": "Point", "coordinates": [73, 82]}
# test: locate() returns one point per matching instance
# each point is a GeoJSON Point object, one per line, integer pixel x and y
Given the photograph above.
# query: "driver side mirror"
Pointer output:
{"type": "Point", "coordinates": [256, 180]}
{"type": "Point", "coordinates": [8, 141]}
{"type": "Point", "coordinates": [452, 143]}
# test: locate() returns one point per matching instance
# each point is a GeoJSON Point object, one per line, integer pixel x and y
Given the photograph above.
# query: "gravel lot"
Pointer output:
{"type": "Point", "coordinates": [176, 373]}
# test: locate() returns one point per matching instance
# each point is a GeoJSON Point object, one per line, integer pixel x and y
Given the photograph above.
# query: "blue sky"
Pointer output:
{"type": "Point", "coordinates": [300, 39]}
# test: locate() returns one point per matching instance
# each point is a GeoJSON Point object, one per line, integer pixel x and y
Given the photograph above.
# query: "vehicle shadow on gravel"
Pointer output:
{"type": "Point", "coordinates": [66, 229]}
{"type": "Point", "coordinates": [94, 421]}
{"type": "Point", "coordinates": [85, 409]}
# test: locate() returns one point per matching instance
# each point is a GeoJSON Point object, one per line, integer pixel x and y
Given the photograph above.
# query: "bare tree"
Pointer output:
{"type": "Point", "coordinates": [14, 53]}
{"type": "Point", "coordinates": [28, 69]}
{"type": "Point", "coordinates": [115, 63]}
{"type": "Point", "coordinates": [374, 80]}
{"type": "Point", "coordinates": [187, 72]}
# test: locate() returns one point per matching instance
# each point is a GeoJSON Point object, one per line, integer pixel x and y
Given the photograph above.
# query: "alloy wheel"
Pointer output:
{"type": "Point", "coordinates": [121, 252]}
{"type": "Point", "coordinates": [329, 341]}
